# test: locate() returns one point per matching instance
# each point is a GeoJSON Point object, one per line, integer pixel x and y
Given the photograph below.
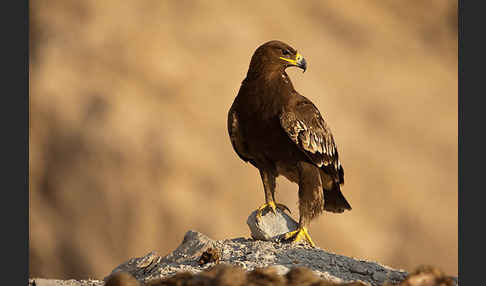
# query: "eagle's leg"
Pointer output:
{"type": "Point", "coordinates": [269, 184]}
{"type": "Point", "coordinates": [281, 207]}
{"type": "Point", "coordinates": [311, 201]}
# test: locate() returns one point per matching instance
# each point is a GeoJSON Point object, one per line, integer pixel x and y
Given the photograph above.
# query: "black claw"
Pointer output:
{"type": "Point", "coordinates": [283, 208]}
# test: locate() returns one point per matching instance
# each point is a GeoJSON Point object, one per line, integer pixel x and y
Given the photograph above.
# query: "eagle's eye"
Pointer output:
{"type": "Point", "coordinates": [285, 52]}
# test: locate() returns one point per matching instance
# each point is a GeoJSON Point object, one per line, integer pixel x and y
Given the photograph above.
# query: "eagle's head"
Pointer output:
{"type": "Point", "coordinates": [277, 55]}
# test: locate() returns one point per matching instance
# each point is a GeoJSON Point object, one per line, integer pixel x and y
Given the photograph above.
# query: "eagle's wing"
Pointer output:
{"type": "Point", "coordinates": [237, 140]}
{"type": "Point", "coordinates": [307, 129]}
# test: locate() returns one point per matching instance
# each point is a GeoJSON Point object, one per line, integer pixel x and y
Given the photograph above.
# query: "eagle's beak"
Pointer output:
{"type": "Point", "coordinates": [299, 61]}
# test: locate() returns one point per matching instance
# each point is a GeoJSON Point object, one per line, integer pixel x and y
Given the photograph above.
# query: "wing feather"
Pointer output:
{"type": "Point", "coordinates": [307, 129]}
{"type": "Point", "coordinates": [237, 140]}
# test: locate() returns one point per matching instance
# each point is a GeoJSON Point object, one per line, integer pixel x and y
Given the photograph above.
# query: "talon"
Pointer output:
{"type": "Point", "coordinates": [273, 208]}
{"type": "Point", "coordinates": [270, 205]}
{"type": "Point", "coordinates": [299, 235]}
{"type": "Point", "coordinates": [283, 208]}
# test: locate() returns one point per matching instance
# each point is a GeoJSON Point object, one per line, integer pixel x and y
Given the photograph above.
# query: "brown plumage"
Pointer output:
{"type": "Point", "coordinates": [281, 132]}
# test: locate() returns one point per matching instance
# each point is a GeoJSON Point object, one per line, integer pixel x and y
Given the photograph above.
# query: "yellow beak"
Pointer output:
{"type": "Point", "coordinates": [299, 61]}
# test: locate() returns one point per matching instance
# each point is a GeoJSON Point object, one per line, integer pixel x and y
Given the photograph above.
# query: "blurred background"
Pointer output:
{"type": "Point", "coordinates": [128, 139]}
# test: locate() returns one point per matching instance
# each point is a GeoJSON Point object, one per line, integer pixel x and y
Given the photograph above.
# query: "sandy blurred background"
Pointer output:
{"type": "Point", "coordinates": [129, 146]}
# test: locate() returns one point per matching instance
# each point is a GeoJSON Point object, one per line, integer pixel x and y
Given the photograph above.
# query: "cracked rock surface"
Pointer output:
{"type": "Point", "coordinates": [249, 254]}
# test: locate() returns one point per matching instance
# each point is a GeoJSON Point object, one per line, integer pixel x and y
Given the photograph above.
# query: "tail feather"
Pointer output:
{"type": "Point", "coordinates": [334, 200]}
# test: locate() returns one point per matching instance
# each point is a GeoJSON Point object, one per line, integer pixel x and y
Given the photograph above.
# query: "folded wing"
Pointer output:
{"type": "Point", "coordinates": [307, 129]}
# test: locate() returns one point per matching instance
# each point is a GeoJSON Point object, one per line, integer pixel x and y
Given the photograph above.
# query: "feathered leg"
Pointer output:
{"type": "Point", "coordinates": [311, 201]}
{"type": "Point", "coordinates": [269, 184]}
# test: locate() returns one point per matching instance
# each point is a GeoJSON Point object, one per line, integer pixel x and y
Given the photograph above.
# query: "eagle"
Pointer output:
{"type": "Point", "coordinates": [281, 132]}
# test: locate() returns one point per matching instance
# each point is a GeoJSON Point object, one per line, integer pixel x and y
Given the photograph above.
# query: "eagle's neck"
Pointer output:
{"type": "Point", "coordinates": [266, 92]}
{"type": "Point", "coordinates": [270, 76]}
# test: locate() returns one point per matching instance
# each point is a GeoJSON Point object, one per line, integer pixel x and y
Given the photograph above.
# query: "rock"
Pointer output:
{"type": "Point", "coordinates": [271, 226]}
{"type": "Point", "coordinates": [70, 282]}
{"type": "Point", "coordinates": [253, 254]}
{"type": "Point", "coordinates": [379, 276]}
{"type": "Point", "coordinates": [253, 258]}
{"type": "Point", "coordinates": [138, 267]}
{"type": "Point", "coordinates": [192, 247]}
{"type": "Point", "coordinates": [210, 255]}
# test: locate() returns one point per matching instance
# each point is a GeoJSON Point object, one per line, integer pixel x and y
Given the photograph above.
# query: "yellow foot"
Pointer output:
{"type": "Point", "coordinates": [298, 235]}
{"type": "Point", "coordinates": [273, 206]}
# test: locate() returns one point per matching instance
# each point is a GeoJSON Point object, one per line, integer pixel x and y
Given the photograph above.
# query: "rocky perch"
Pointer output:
{"type": "Point", "coordinates": [199, 253]}
{"type": "Point", "coordinates": [260, 260]}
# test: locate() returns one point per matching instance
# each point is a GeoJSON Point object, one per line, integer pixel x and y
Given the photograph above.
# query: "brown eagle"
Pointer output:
{"type": "Point", "coordinates": [281, 132]}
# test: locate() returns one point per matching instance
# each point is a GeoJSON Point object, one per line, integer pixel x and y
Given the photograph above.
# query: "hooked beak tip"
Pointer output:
{"type": "Point", "coordinates": [302, 64]}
